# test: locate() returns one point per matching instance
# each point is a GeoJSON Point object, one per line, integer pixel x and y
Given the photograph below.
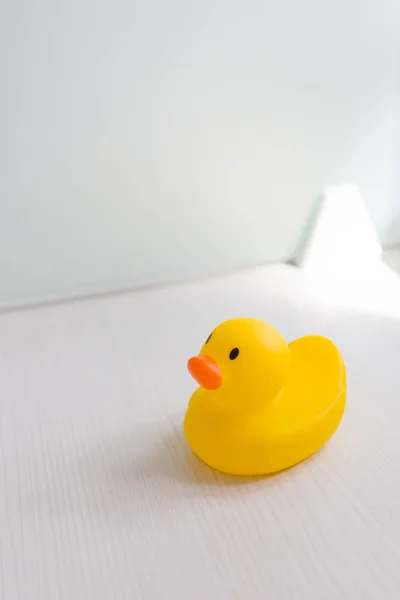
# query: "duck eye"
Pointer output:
{"type": "Point", "coordinates": [234, 353]}
{"type": "Point", "coordinates": [208, 339]}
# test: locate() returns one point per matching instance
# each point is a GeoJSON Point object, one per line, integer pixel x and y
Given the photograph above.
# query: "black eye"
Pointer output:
{"type": "Point", "coordinates": [208, 339]}
{"type": "Point", "coordinates": [234, 353]}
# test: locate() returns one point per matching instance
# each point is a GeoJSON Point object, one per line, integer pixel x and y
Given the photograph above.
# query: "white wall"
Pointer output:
{"type": "Point", "coordinates": [149, 140]}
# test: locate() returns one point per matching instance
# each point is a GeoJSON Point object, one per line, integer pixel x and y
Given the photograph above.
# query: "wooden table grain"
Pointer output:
{"type": "Point", "coordinates": [100, 497]}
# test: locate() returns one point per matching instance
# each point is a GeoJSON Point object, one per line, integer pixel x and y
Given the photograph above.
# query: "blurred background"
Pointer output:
{"type": "Point", "coordinates": [145, 141]}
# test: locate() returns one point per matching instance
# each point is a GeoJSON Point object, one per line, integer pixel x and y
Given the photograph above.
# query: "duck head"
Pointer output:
{"type": "Point", "coordinates": [243, 364]}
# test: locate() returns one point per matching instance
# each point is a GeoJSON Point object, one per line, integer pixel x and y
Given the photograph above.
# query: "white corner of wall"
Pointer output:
{"type": "Point", "coordinates": [340, 236]}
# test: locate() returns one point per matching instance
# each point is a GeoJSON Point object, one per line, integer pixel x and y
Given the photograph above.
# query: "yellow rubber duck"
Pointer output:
{"type": "Point", "coordinates": [263, 405]}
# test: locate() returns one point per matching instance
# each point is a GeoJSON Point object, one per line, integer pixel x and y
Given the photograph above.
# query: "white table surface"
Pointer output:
{"type": "Point", "coordinates": [100, 497]}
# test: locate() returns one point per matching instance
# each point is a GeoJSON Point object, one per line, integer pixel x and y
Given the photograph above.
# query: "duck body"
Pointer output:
{"type": "Point", "coordinates": [273, 405]}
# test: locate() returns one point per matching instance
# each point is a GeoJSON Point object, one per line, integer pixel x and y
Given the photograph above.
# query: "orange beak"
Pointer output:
{"type": "Point", "coordinates": [205, 371]}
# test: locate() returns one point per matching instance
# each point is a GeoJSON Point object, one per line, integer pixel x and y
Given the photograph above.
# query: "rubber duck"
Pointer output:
{"type": "Point", "coordinates": [263, 405]}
